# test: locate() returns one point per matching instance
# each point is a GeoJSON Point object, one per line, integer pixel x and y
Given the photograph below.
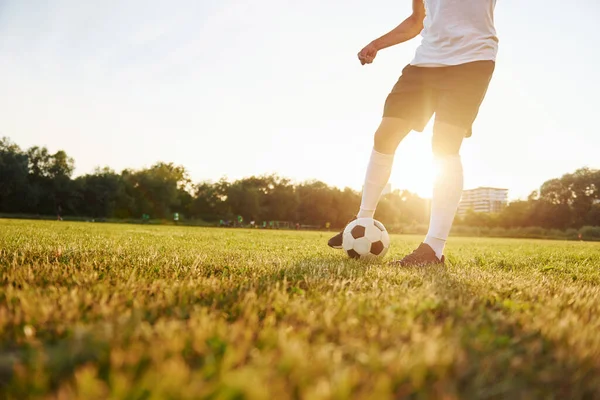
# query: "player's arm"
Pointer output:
{"type": "Point", "coordinates": [408, 29]}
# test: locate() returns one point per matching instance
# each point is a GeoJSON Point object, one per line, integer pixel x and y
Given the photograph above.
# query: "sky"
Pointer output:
{"type": "Point", "coordinates": [232, 88]}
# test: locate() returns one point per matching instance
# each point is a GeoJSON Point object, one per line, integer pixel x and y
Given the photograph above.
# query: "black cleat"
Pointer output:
{"type": "Point", "coordinates": [336, 241]}
{"type": "Point", "coordinates": [422, 256]}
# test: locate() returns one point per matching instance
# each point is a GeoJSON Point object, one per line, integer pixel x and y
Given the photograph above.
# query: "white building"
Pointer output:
{"type": "Point", "coordinates": [483, 199]}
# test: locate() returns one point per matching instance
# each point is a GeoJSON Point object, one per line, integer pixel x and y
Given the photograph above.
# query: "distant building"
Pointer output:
{"type": "Point", "coordinates": [483, 199]}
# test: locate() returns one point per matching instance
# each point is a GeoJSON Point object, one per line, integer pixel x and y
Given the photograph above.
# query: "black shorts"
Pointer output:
{"type": "Point", "coordinates": [453, 93]}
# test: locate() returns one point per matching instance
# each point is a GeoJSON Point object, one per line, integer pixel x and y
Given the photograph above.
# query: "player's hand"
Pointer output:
{"type": "Point", "coordinates": [368, 54]}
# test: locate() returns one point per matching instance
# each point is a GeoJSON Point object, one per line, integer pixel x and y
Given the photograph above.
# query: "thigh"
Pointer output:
{"type": "Point", "coordinates": [461, 91]}
{"type": "Point", "coordinates": [412, 97]}
{"type": "Point", "coordinates": [390, 133]}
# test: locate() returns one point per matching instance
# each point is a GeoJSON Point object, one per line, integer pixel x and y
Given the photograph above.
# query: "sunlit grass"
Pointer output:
{"type": "Point", "coordinates": [128, 311]}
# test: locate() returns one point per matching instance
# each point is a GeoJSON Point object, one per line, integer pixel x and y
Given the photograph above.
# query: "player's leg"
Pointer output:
{"type": "Point", "coordinates": [447, 191]}
{"type": "Point", "coordinates": [408, 106]}
{"type": "Point", "coordinates": [461, 93]}
{"type": "Point", "coordinates": [447, 185]}
{"type": "Point", "coordinates": [388, 136]}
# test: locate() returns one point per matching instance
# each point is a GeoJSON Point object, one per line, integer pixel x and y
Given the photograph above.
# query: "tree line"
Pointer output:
{"type": "Point", "coordinates": [37, 182]}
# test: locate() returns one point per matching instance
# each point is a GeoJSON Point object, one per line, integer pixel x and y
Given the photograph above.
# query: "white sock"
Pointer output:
{"type": "Point", "coordinates": [447, 191]}
{"type": "Point", "coordinates": [378, 175]}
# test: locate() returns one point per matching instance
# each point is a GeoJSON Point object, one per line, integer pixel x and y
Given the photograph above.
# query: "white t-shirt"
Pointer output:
{"type": "Point", "coordinates": [457, 32]}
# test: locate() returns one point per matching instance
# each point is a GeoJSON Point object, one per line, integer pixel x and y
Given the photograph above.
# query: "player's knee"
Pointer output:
{"type": "Point", "coordinates": [447, 139]}
{"type": "Point", "coordinates": [390, 133]}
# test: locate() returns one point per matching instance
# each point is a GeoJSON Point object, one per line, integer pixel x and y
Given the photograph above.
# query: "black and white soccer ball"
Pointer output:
{"type": "Point", "coordinates": [365, 238]}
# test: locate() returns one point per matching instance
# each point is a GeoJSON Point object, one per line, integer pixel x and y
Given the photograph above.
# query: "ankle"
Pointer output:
{"type": "Point", "coordinates": [365, 213]}
{"type": "Point", "coordinates": [436, 244]}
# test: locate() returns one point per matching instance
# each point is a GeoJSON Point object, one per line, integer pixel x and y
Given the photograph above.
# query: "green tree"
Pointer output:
{"type": "Point", "coordinates": [317, 204]}
{"type": "Point", "coordinates": [99, 193]}
{"type": "Point", "coordinates": [402, 207]}
{"type": "Point", "coordinates": [155, 190]}
{"type": "Point", "coordinates": [576, 192]}
{"type": "Point", "coordinates": [49, 179]}
{"type": "Point", "coordinates": [208, 203]}
{"type": "Point", "coordinates": [280, 201]}
{"type": "Point", "coordinates": [516, 214]}
{"type": "Point", "coordinates": [14, 189]}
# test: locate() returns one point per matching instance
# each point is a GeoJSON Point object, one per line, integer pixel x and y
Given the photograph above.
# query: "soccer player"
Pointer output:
{"type": "Point", "coordinates": [448, 76]}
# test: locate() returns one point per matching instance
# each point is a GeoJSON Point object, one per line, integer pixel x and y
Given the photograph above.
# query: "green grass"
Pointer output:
{"type": "Point", "coordinates": [122, 311]}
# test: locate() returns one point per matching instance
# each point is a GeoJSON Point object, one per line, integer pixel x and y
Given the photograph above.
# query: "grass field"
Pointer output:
{"type": "Point", "coordinates": [127, 311]}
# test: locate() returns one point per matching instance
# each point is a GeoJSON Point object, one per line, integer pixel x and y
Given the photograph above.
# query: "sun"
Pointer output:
{"type": "Point", "coordinates": [413, 165]}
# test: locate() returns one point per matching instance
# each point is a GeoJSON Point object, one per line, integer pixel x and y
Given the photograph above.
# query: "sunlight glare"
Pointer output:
{"type": "Point", "coordinates": [413, 165]}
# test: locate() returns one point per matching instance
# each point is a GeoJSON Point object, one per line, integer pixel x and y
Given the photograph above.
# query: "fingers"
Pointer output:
{"type": "Point", "coordinates": [366, 57]}
{"type": "Point", "coordinates": [366, 60]}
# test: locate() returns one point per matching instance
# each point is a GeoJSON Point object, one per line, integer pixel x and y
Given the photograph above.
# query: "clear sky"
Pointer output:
{"type": "Point", "coordinates": [234, 88]}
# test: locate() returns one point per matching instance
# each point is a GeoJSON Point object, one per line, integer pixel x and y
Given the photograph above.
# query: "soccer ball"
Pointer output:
{"type": "Point", "coordinates": [365, 238]}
